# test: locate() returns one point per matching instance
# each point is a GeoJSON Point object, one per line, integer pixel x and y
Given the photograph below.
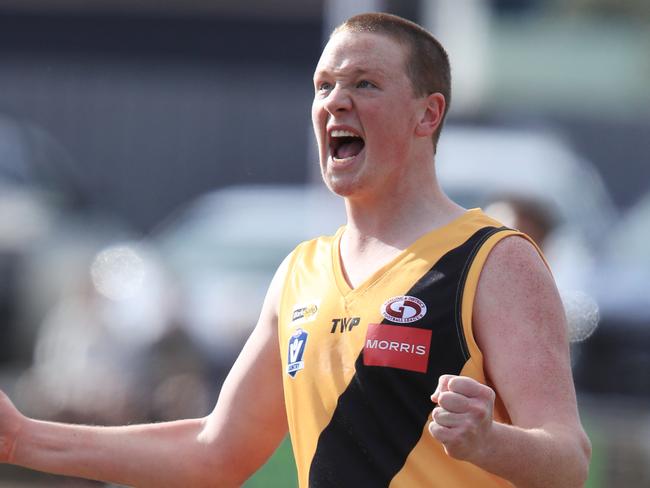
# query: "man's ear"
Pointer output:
{"type": "Point", "coordinates": [431, 114]}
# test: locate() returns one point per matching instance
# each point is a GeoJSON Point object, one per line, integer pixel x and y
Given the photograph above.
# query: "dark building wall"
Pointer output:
{"type": "Point", "coordinates": [151, 111]}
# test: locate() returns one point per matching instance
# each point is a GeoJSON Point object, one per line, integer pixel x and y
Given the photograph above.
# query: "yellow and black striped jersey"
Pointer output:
{"type": "Point", "coordinates": [361, 364]}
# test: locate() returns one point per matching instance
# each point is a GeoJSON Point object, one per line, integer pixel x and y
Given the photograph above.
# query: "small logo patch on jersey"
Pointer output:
{"type": "Point", "coordinates": [403, 309]}
{"type": "Point", "coordinates": [304, 313]}
{"type": "Point", "coordinates": [345, 323]}
{"type": "Point", "coordinates": [297, 344]}
{"type": "Point", "coordinates": [395, 346]}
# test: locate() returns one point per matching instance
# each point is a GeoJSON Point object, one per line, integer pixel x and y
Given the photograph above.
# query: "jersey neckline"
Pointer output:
{"type": "Point", "coordinates": [344, 287]}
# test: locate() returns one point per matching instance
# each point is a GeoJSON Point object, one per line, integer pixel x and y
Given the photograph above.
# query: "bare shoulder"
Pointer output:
{"type": "Point", "coordinates": [515, 257]}
{"type": "Point", "coordinates": [520, 326]}
{"type": "Point", "coordinates": [516, 280]}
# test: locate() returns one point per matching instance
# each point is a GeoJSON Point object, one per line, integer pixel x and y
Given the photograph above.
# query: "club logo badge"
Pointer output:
{"type": "Point", "coordinates": [403, 309]}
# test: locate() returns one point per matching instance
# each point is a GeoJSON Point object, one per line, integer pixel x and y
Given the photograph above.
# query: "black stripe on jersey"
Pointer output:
{"type": "Point", "coordinates": [380, 416]}
{"type": "Point", "coordinates": [461, 286]}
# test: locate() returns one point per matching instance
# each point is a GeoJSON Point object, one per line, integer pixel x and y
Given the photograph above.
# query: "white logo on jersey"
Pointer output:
{"type": "Point", "coordinates": [303, 313]}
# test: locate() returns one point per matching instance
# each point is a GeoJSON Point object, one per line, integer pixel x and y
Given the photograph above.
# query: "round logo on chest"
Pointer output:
{"type": "Point", "coordinates": [403, 309]}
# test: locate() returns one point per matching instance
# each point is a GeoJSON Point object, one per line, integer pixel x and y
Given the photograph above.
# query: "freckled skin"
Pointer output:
{"type": "Point", "coordinates": [381, 112]}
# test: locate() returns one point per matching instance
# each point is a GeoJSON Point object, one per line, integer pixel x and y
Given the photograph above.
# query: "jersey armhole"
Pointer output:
{"type": "Point", "coordinates": [285, 286]}
{"type": "Point", "coordinates": [474, 366]}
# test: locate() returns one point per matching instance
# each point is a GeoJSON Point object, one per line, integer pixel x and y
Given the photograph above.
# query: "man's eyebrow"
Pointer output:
{"type": "Point", "coordinates": [353, 73]}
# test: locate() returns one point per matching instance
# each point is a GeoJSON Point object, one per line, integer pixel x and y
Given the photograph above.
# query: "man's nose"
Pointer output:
{"type": "Point", "coordinates": [338, 100]}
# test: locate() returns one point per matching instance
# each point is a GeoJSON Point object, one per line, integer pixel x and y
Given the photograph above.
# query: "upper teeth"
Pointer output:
{"type": "Point", "coordinates": [343, 133]}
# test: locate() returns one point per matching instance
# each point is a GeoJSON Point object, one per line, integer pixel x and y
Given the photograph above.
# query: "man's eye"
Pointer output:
{"type": "Point", "coordinates": [324, 86]}
{"type": "Point", "coordinates": [365, 84]}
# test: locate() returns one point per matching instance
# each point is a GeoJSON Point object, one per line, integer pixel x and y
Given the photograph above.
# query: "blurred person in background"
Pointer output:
{"type": "Point", "coordinates": [419, 336]}
{"type": "Point", "coordinates": [529, 215]}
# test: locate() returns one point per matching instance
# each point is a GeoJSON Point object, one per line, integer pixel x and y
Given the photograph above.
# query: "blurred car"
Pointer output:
{"type": "Point", "coordinates": [616, 359]}
{"type": "Point", "coordinates": [223, 249]}
{"type": "Point", "coordinates": [477, 166]}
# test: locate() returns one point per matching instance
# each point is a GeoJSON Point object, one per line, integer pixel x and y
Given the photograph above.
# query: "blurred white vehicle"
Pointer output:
{"type": "Point", "coordinates": [477, 166]}
{"type": "Point", "coordinates": [616, 360]}
{"type": "Point", "coordinates": [626, 261]}
{"type": "Point", "coordinates": [224, 248]}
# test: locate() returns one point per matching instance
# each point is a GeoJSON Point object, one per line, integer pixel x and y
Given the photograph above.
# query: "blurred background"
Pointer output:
{"type": "Point", "coordinates": [157, 163]}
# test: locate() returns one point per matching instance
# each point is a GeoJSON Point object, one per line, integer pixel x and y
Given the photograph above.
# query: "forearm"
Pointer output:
{"type": "Point", "coordinates": [535, 458]}
{"type": "Point", "coordinates": [160, 455]}
{"type": "Point", "coordinates": [222, 449]}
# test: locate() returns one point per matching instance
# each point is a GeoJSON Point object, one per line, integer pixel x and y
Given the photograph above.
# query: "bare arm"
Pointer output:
{"type": "Point", "coordinates": [520, 326]}
{"type": "Point", "coordinates": [222, 449]}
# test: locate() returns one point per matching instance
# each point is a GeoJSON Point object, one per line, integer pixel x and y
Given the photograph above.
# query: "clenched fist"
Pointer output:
{"type": "Point", "coordinates": [463, 417]}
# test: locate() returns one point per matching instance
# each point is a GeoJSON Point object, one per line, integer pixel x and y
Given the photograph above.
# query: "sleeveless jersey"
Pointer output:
{"type": "Point", "coordinates": [360, 365]}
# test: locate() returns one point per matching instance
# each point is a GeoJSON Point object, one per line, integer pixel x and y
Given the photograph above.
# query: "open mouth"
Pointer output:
{"type": "Point", "coordinates": [345, 144]}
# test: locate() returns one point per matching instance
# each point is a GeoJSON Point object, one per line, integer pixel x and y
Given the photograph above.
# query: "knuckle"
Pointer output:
{"type": "Point", "coordinates": [444, 380]}
{"type": "Point", "coordinates": [436, 431]}
{"type": "Point", "coordinates": [448, 395]}
{"type": "Point", "coordinates": [443, 398]}
{"type": "Point", "coordinates": [436, 413]}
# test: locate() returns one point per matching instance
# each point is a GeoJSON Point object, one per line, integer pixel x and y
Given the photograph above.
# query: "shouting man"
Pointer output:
{"type": "Point", "coordinates": [423, 345]}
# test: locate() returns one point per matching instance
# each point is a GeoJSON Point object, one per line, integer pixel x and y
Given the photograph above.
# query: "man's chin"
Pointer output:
{"type": "Point", "coordinates": [342, 187]}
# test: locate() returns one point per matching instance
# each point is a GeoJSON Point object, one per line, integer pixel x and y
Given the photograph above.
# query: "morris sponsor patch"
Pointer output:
{"type": "Point", "coordinates": [403, 309]}
{"type": "Point", "coordinates": [297, 344]}
{"type": "Point", "coordinates": [395, 346]}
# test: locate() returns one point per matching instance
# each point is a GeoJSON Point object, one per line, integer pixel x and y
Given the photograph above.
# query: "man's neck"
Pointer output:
{"type": "Point", "coordinates": [378, 231]}
{"type": "Point", "coordinates": [397, 221]}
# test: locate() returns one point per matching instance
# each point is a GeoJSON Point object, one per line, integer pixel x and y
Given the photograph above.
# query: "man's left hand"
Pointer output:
{"type": "Point", "coordinates": [463, 417]}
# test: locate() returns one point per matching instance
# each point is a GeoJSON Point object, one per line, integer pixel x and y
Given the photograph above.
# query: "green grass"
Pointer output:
{"type": "Point", "coordinates": [279, 471]}
{"type": "Point", "coordinates": [598, 460]}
